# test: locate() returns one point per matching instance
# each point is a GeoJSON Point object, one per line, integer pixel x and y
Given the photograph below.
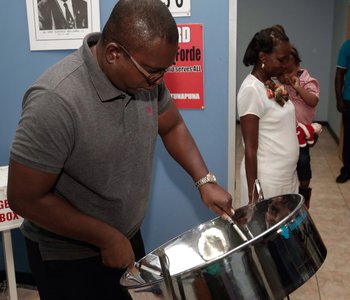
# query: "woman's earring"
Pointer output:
{"type": "Point", "coordinates": [262, 66]}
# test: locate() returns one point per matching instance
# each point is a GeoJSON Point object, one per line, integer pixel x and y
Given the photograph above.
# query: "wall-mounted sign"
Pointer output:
{"type": "Point", "coordinates": [179, 8]}
{"type": "Point", "coordinates": [56, 25]}
{"type": "Point", "coordinates": [185, 78]}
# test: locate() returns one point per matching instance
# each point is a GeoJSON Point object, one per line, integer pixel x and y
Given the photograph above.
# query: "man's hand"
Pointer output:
{"type": "Point", "coordinates": [217, 200]}
{"type": "Point", "coordinates": [117, 252]}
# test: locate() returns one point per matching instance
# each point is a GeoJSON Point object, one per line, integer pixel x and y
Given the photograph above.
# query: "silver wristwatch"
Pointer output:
{"type": "Point", "coordinates": [206, 179]}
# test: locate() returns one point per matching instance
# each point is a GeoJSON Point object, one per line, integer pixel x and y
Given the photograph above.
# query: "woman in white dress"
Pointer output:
{"type": "Point", "coordinates": [267, 120]}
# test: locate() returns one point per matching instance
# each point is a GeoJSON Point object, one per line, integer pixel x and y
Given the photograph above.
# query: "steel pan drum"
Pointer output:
{"type": "Point", "coordinates": [281, 250]}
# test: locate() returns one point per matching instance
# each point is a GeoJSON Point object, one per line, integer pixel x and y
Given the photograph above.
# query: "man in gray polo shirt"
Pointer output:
{"type": "Point", "coordinates": [81, 159]}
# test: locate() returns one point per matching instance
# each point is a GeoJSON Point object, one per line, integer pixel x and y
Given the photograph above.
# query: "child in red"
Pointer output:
{"type": "Point", "coordinates": [304, 92]}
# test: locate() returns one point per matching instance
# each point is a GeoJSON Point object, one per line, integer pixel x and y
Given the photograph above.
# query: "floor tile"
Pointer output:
{"type": "Point", "coordinates": [307, 291]}
{"type": "Point", "coordinates": [22, 294]}
{"type": "Point", "coordinates": [334, 285]}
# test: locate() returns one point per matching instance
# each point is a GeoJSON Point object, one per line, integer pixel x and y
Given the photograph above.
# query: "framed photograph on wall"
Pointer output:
{"type": "Point", "coordinates": [61, 24]}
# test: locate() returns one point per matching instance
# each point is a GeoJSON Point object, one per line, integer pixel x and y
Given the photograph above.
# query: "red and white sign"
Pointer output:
{"type": "Point", "coordinates": [185, 79]}
{"type": "Point", "coordinates": [8, 219]}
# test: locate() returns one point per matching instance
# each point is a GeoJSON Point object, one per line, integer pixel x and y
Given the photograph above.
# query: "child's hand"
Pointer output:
{"type": "Point", "coordinates": [294, 82]}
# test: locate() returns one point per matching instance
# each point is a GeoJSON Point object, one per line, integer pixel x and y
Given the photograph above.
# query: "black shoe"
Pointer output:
{"type": "Point", "coordinates": [343, 177]}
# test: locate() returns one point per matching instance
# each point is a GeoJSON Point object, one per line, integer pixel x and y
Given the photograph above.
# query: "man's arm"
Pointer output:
{"type": "Point", "coordinates": [181, 146]}
{"type": "Point", "coordinates": [30, 196]}
{"type": "Point", "coordinates": [339, 83]}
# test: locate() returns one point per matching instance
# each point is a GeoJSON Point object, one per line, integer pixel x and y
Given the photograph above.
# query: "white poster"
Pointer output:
{"type": "Point", "coordinates": [57, 24]}
{"type": "Point", "coordinates": [179, 8]}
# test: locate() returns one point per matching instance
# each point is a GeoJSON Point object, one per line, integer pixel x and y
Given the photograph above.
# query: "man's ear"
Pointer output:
{"type": "Point", "coordinates": [113, 52]}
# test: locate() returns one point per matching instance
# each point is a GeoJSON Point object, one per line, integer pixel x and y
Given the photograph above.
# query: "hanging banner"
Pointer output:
{"type": "Point", "coordinates": [179, 8]}
{"type": "Point", "coordinates": [185, 79]}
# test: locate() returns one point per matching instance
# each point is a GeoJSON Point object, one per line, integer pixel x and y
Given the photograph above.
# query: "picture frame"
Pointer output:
{"type": "Point", "coordinates": [50, 29]}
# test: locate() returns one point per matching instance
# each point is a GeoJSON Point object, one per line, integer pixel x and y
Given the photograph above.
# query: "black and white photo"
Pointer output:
{"type": "Point", "coordinates": [61, 24]}
{"type": "Point", "coordinates": [62, 14]}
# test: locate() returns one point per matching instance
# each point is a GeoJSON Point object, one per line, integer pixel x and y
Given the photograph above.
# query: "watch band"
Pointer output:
{"type": "Point", "coordinates": [209, 178]}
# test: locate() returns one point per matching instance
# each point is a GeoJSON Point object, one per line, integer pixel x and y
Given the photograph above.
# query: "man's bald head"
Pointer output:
{"type": "Point", "coordinates": [137, 23]}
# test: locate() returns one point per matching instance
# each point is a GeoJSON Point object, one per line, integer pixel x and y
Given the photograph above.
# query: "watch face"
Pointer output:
{"type": "Point", "coordinates": [211, 177]}
{"type": "Point", "coordinates": [208, 178]}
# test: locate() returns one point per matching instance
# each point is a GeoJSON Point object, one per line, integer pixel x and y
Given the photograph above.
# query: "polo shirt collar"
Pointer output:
{"type": "Point", "coordinates": [104, 88]}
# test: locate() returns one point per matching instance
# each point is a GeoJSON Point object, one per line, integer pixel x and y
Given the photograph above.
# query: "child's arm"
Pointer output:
{"type": "Point", "coordinates": [308, 97]}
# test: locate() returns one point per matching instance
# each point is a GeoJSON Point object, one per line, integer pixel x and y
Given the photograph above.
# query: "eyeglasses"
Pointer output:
{"type": "Point", "coordinates": [151, 77]}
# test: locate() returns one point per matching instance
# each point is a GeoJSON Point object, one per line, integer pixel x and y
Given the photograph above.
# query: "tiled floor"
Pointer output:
{"type": "Point", "coordinates": [330, 211]}
{"type": "Point", "coordinates": [22, 294]}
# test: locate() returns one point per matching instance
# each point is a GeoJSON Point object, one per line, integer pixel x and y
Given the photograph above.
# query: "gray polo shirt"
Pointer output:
{"type": "Point", "coordinates": [99, 140]}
